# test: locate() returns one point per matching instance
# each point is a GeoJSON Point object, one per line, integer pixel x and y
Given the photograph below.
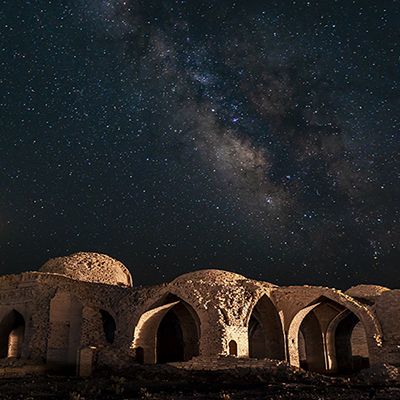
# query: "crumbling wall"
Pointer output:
{"type": "Point", "coordinates": [31, 295]}
{"type": "Point", "coordinates": [293, 301]}
{"type": "Point", "coordinates": [387, 309]}
{"type": "Point", "coordinates": [16, 293]}
{"type": "Point", "coordinates": [222, 304]}
{"type": "Point", "coordinates": [359, 341]}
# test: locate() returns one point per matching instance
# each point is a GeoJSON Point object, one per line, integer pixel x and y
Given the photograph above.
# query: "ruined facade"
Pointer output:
{"type": "Point", "coordinates": [83, 310]}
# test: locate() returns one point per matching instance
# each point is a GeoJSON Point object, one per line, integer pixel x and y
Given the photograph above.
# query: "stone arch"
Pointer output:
{"type": "Point", "coordinates": [169, 331]}
{"type": "Point", "coordinates": [265, 331]}
{"type": "Point", "coordinates": [341, 344]}
{"type": "Point", "coordinates": [12, 335]}
{"type": "Point", "coordinates": [65, 330]}
{"type": "Point", "coordinates": [293, 335]}
{"type": "Point", "coordinates": [109, 326]}
{"type": "Point", "coordinates": [328, 309]}
{"type": "Point", "coordinates": [233, 348]}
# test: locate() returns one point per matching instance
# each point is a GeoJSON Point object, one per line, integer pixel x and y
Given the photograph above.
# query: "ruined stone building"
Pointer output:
{"type": "Point", "coordinates": [86, 302]}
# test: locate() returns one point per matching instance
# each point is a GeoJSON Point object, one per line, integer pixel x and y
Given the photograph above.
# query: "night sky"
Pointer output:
{"type": "Point", "coordinates": [260, 137]}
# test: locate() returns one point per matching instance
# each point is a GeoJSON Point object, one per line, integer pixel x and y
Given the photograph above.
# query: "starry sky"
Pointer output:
{"type": "Point", "coordinates": [260, 137]}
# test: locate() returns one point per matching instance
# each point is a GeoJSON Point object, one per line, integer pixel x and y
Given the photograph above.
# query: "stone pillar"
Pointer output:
{"type": "Point", "coordinates": [92, 332]}
{"type": "Point", "coordinates": [86, 361]}
{"type": "Point", "coordinates": [40, 328]}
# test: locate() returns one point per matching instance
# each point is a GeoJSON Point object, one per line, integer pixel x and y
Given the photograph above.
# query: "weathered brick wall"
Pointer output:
{"type": "Point", "coordinates": [221, 301]}
{"type": "Point", "coordinates": [359, 341]}
{"type": "Point", "coordinates": [31, 294]}
{"type": "Point", "coordinates": [292, 300]}
{"type": "Point", "coordinates": [387, 308]}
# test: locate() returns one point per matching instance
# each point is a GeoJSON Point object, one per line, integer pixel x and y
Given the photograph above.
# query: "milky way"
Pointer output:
{"type": "Point", "coordinates": [259, 137]}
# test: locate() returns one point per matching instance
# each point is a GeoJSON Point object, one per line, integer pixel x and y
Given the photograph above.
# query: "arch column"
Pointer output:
{"type": "Point", "coordinates": [92, 328]}
{"type": "Point", "coordinates": [40, 328]}
{"type": "Point", "coordinates": [314, 343]}
{"type": "Point", "coordinates": [293, 335]}
{"type": "Point", "coordinates": [65, 330]}
{"type": "Point", "coordinates": [327, 328]}
{"type": "Point", "coordinates": [340, 350]}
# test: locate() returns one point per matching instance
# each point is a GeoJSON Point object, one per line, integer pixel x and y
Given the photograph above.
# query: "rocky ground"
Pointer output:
{"type": "Point", "coordinates": [165, 382]}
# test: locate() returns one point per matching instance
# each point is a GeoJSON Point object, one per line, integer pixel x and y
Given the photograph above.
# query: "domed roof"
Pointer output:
{"type": "Point", "coordinates": [210, 275]}
{"type": "Point", "coordinates": [366, 291]}
{"type": "Point", "coordinates": [214, 277]}
{"type": "Point", "coordinates": [90, 267]}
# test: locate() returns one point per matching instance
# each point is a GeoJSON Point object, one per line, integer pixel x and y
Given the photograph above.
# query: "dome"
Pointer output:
{"type": "Point", "coordinates": [215, 277]}
{"type": "Point", "coordinates": [211, 275]}
{"type": "Point", "coordinates": [366, 291]}
{"type": "Point", "coordinates": [90, 267]}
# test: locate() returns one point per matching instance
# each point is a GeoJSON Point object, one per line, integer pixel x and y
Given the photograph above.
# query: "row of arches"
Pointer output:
{"type": "Point", "coordinates": [330, 339]}
{"type": "Point", "coordinates": [324, 337]}
{"type": "Point", "coordinates": [65, 331]}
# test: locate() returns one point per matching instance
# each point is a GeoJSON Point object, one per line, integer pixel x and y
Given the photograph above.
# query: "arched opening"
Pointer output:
{"type": "Point", "coordinates": [65, 330]}
{"type": "Point", "coordinates": [323, 338]}
{"type": "Point", "coordinates": [233, 348]}
{"type": "Point", "coordinates": [265, 331]}
{"type": "Point", "coordinates": [170, 344]}
{"type": "Point", "coordinates": [12, 334]}
{"type": "Point", "coordinates": [109, 326]}
{"type": "Point", "coordinates": [168, 332]}
{"type": "Point", "coordinates": [351, 349]}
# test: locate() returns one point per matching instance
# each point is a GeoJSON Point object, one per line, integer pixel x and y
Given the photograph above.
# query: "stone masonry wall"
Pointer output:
{"type": "Point", "coordinates": [222, 303]}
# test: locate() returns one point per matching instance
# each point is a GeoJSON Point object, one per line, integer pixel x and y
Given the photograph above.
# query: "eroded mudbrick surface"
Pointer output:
{"type": "Point", "coordinates": [83, 312]}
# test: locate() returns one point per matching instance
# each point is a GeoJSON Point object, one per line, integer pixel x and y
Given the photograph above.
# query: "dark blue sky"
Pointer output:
{"type": "Point", "coordinates": [260, 137]}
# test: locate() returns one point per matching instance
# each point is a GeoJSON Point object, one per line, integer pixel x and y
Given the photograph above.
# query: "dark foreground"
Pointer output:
{"type": "Point", "coordinates": [165, 382]}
